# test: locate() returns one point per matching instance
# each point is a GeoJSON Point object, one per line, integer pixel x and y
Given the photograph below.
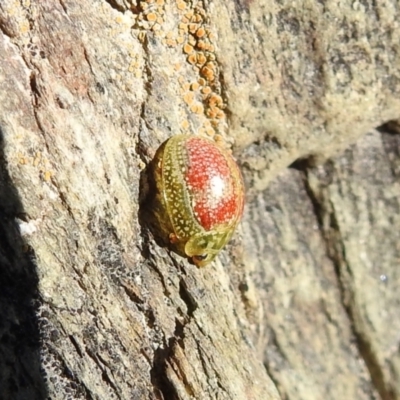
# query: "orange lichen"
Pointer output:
{"type": "Point", "coordinates": [187, 48]}
{"type": "Point", "coordinates": [37, 159]}
{"type": "Point", "coordinates": [192, 28]}
{"type": "Point", "coordinates": [197, 18]}
{"type": "Point", "coordinates": [207, 73]}
{"type": "Point", "coordinates": [197, 108]}
{"type": "Point", "coordinates": [218, 138]}
{"type": "Point", "coordinates": [194, 86]}
{"type": "Point", "coordinates": [192, 59]}
{"type": "Point", "coordinates": [132, 66]}
{"type": "Point", "coordinates": [210, 131]}
{"type": "Point", "coordinates": [185, 124]}
{"type": "Point", "coordinates": [200, 32]}
{"type": "Point", "coordinates": [47, 175]}
{"type": "Point", "coordinates": [192, 40]}
{"type": "Point", "coordinates": [211, 57]}
{"type": "Point", "coordinates": [170, 42]}
{"type": "Point", "coordinates": [202, 45]}
{"type": "Point", "coordinates": [152, 17]}
{"type": "Point", "coordinates": [220, 114]}
{"type": "Point", "coordinates": [215, 100]}
{"type": "Point", "coordinates": [195, 39]}
{"type": "Point", "coordinates": [211, 113]}
{"type": "Point", "coordinates": [188, 98]}
{"type": "Point", "coordinates": [201, 59]}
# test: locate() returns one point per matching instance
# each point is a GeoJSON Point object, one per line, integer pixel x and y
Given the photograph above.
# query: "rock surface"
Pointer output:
{"type": "Point", "coordinates": [303, 304]}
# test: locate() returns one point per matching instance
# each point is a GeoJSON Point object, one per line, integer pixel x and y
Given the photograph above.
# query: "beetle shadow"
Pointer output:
{"type": "Point", "coordinates": [149, 193]}
{"type": "Point", "coordinates": [21, 375]}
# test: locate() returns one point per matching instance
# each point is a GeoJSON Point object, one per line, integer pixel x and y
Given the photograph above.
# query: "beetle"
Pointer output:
{"type": "Point", "coordinates": [200, 196]}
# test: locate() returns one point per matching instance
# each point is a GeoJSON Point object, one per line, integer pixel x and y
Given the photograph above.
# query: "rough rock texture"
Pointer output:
{"type": "Point", "coordinates": [303, 304]}
{"type": "Point", "coordinates": [326, 273]}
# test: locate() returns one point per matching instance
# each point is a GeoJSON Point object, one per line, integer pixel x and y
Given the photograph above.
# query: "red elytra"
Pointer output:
{"type": "Point", "coordinates": [211, 184]}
